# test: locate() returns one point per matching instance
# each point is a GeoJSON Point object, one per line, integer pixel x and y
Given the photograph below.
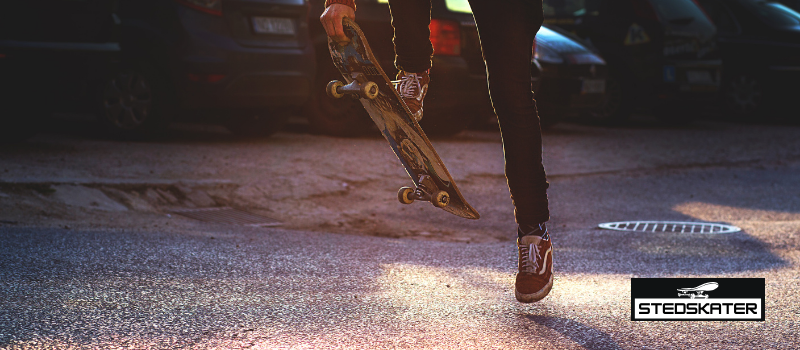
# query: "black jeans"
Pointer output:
{"type": "Point", "coordinates": [507, 29]}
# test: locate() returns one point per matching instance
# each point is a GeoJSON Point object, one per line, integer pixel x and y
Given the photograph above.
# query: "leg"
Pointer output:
{"type": "Point", "coordinates": [413, 51]}
{"type": "Point", "coordinates": [507, 30]}
{"type": "Point", "coordinates": [412, 45]}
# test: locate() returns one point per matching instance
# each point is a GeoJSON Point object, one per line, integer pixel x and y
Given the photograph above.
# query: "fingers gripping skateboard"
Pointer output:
{"type": "Point", "coordinates": [408, 195]}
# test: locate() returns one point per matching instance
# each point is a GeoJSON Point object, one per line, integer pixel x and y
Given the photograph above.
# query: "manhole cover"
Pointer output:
{"type": "Point", "coordinates": [227, 215]}
{"type": "Point", "coordinates": [670, 226]}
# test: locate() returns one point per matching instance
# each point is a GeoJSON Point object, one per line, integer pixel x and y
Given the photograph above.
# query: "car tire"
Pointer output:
{"type": "Point", "coordinates": [256, 122]}
{"type": "Point", "coordinates": [344, 117]}
{"type": "Point", "coordinates": [136, 102]}
{"type": "Point", "coordinates": [743, 95]}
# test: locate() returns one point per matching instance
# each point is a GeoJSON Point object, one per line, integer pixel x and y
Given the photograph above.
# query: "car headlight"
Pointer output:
{"type": "Point", "coordinates": [547, 55]}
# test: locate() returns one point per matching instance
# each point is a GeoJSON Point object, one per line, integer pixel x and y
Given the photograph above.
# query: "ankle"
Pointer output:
{"type": "Point", "coordinates": [425, 72]}
{"type": "Point", "coordinates": [539, 230]}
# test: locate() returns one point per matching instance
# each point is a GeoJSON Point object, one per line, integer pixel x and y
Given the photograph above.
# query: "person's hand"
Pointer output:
{"type": "Point", "coordinates": [332, 21]}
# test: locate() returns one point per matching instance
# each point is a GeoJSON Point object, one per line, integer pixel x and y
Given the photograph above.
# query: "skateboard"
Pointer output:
{"type": "Point", "coordinates": [366, 80]}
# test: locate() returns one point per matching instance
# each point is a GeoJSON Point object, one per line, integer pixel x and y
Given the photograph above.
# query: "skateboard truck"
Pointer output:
{"type": "Point", "coordinates": [359, 87]}
{"type": "Point", "coordinates": [408, 195]}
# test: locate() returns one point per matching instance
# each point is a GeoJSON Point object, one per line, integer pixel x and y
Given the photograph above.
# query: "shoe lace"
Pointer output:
{"type": "Point", "coordinates": [409, 86]}
{"type": "Point", "coordinates": [529, 263]}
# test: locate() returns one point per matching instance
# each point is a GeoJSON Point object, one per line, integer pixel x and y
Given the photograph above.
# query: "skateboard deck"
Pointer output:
{"type": "Point", "coordinates": [365, 79]}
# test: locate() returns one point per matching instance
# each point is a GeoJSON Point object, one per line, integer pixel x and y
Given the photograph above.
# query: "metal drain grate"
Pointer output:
{"type": "Point", "coordinates": [227, 215]}
{"type": "Point", "coordinates": [670, 226]}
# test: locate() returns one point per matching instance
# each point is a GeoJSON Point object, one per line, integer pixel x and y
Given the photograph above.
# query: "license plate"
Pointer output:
{"type": "Point", "coordinates": [702, 77]}
{"type": "Point", "coordinates": [593, 86]}
{"type": "Point", "coordinates": [273, 25]}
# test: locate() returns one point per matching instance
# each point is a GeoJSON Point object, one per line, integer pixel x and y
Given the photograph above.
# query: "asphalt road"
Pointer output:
{"type": "Point", "coordinates": [184, 284]}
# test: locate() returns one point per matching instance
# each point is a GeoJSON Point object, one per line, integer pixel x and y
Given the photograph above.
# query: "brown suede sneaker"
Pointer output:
{"type": "Point", "coordinates": [412, 88]}
{"type": "Point", "coordinates": [535, 277]}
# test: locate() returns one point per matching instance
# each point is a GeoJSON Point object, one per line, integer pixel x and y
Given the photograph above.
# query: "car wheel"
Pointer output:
{"type": "Point", "coordinates": [136, 102]}
{"type": "Point", "coordinates": [256, 122]}
{"type": "Point", "coordinates": [743, 94]}
{"type": "Point", "coordinates": [335, 116]}
{"type": "Point", "coordinates": [617, 106]}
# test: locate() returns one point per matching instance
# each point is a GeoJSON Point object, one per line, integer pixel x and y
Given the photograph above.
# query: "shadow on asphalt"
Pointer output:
{"type": "Point", "coordinates": [583, 335]}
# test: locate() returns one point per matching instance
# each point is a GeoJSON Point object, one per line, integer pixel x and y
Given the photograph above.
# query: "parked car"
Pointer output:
{"type": "Point", "coordinates": [53, 56]}
{"type": "Point", "coordinates": [245, 63]}
{"type": "Point", "coordinates": [760, 45]}
{"type": "Point", "coordinates": [661, 53]}
{"type": "Point", "coordinates": [139, 64]}
{"type": "Point", "coordinates": [457, 94]}
{"type": "Point", "coordinates": [569, 77]}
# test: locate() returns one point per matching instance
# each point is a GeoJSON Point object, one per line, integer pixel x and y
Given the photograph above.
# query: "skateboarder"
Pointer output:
{"type": "Point", "coordinates": [507, 29]}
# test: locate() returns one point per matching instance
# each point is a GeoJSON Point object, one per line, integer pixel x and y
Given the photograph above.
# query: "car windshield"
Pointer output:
{"type": "Point", "coordinates": [458, 6]}
{"type": "Point", "coordinates": [774, 13]}
{"type": "Point", "coordinates": [570, 8]}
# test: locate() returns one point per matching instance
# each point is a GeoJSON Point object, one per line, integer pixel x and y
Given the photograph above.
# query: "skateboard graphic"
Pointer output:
{"type": "Point", "coordinates": [366, 80]}
{"type": "Point", "coordinates": [698, 292]}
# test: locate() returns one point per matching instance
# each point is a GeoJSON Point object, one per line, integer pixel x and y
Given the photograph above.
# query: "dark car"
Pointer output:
{"type": "Point", "coordinates": [138, 64]}
{"type": "Point", "coordinates": [571, 76]}
{"type": "Point", "coordinates": [760, 45]}
{"type": "Point", "coordinates": [661, 53]}
{"type": "Point", "coordinates": [53, 56]}
{"type": "Point", "coordinates": [245, 63]}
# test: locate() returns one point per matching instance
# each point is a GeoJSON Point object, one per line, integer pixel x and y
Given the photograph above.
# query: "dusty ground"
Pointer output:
{"type": "Point", "coordinates": [72, 177]}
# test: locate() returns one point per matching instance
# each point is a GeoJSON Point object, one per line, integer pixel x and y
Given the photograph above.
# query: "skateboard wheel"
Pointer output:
{"type": "Point", "coordinates": [333, 89]}
{"type": "Point", "coordinates": [440, 199]}
{"type": "Point", "coordinates": [404, 195]}
{"type": "Point", "coordinates": [369, 90]}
